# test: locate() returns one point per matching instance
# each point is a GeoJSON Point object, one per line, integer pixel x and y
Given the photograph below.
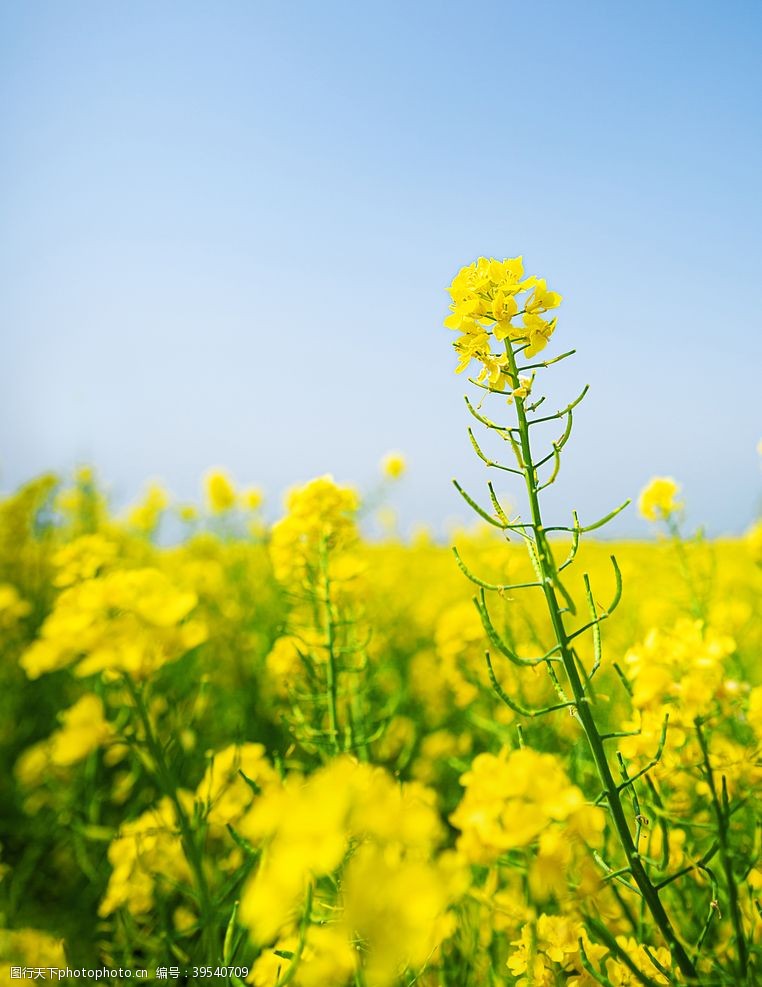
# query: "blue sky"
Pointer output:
{"type": "Point", "coordinates": [226, 230]}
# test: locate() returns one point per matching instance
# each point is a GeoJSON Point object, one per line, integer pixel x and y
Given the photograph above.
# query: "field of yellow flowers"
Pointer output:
{"type": "Point", "coordinates": [286, 755]}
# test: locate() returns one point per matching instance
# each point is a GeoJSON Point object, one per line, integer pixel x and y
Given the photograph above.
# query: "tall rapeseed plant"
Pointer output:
{"type": "Point", "coordinates": [503, 323]}
{"type": "Point", "coordinates": [320, 667]}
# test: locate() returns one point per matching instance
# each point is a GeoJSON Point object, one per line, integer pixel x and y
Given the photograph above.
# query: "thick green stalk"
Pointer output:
{"type": "Point", "coordinates": [581, 699]}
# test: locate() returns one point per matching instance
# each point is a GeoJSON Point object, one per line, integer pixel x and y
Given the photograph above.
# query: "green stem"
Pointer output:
{"type": "Point", "coordinates": [581, 699]}
{"type": "Point", "coordinates": [725, 855]}
{"type": "Point", "coordinates": [304, 925]}
{"type": "Point", "coordinates": [187, 836]}
{"type": "Point", "coordinates": [697, 601]}
{"type": "Point", "coordinates": [330, 646]}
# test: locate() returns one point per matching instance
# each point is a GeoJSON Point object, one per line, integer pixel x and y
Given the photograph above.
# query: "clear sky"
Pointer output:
{"type": "Point", "coordinates": [226, 230]}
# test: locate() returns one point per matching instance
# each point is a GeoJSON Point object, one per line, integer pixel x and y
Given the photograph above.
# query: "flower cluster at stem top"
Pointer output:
{"type": "Point", "coordinates": [486, 298]}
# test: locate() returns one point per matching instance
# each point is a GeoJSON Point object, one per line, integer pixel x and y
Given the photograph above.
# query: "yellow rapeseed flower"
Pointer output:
{"type": "Point", "coordinates": [130, 620]}
{"type": "Point", "coordinates": [83, 729]}
{"type": "Point", "coordinates": [12, 607]}
{"type": "Point", "coordinates": [252, 498]}
{"type": "Point", "coordinates": [220, 492]}
{"type": "Point", "coordinates": [393, 465]}
{"type": "Point", "coordinates": [658, 500]}
{"type": "Point", "coordinates": [146, 850]}
{"type": "Point", "coordinates": [484, 305]}
{"type": "Point", "coordinates": [321, 517]}
{"type": "Point", "coordinates": [511, 798]}
{"type": "Point", "coordinates": [754, 541]}
{"type": "Point", "coordinates": [224, 790]}
{"type": "Point", "coordinates": [29, 948]}
{"type": "Point", "coordinates": [145, 515]}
